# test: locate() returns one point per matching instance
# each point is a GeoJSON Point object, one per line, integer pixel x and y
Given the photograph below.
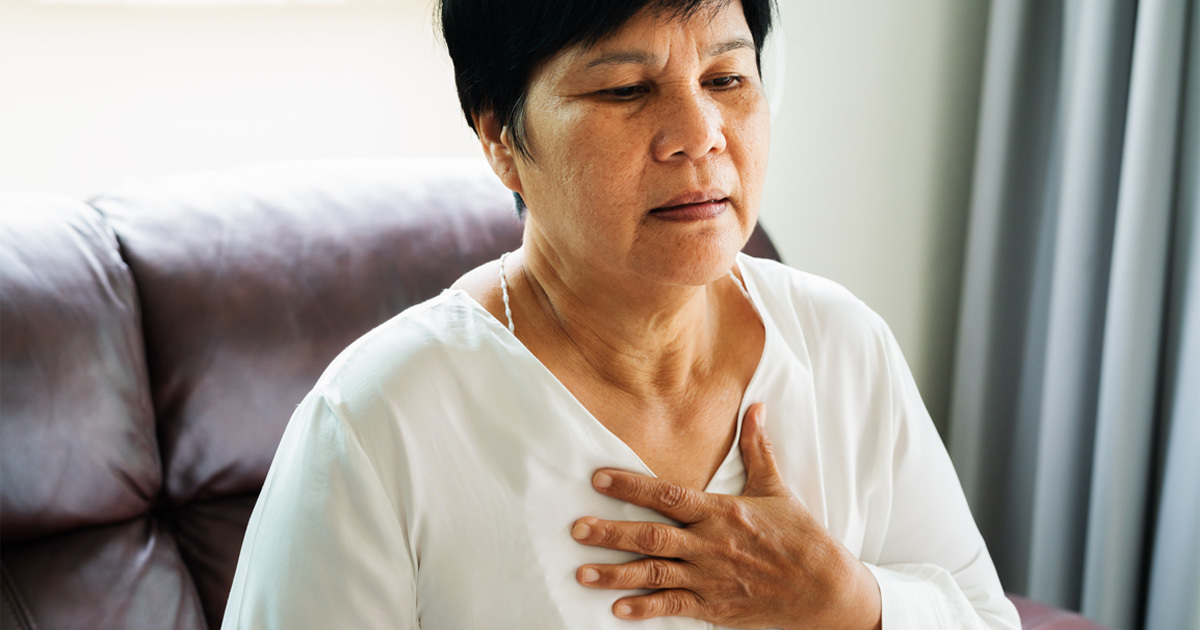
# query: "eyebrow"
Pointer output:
{"type": "Point", "coordinates": [736, 43]}
{"type": "Point", "coordinates": [643, 58]}
{"type": "Point", "coordinates": [639, 57]}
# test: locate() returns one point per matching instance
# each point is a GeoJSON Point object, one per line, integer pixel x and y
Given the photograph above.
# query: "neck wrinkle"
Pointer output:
{"type": "Point", "coordinates": [649, 352]}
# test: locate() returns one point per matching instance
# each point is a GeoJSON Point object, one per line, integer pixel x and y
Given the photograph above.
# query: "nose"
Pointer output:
{"type": "Point", "coordinates": [692, 127]}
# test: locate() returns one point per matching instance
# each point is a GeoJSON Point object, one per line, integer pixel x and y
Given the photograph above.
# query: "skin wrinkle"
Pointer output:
{"type": "Point", "coordinates": [647, 59]}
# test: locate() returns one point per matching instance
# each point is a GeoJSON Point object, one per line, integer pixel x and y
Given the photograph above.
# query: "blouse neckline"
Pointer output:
{"type": "Point", "coordinates": [597, 428]}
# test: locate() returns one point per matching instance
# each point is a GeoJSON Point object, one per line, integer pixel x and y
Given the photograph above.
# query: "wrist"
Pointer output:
{"type": "Point", "coordinates": [854, 601]}
{"type": "Point", "coordinates": [869, 600]}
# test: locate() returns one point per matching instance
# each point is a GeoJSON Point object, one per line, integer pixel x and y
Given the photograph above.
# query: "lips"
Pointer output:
{"type": "Point", "coordinates": [693, 206]}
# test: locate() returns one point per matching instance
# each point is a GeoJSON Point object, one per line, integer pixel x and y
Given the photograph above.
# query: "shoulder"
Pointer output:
{"type": "Point", "coordinates": [403, 357]}
{"type": "Point", "coordinates": [483, 285]}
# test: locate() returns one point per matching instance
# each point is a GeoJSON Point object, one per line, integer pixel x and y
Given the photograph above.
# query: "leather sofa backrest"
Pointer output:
{"type": "Point", "coordinates": [155, 343]}
{"type": "Point", "coordinates": [80, 473]}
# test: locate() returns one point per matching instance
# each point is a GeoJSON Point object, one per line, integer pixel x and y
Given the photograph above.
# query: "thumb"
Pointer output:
{"type": "Point", "coordinates": [762, 474]}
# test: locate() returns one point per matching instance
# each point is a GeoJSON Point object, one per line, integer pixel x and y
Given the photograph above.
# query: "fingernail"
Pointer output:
{"type": "Point", "coordinates": [590, 575]}
{"type": "Point", "coordinates": [603, 480]}
{"type": "Point", "coordinates": [580, 531]}
{"type": "Point", "coordinates": [623, 610]}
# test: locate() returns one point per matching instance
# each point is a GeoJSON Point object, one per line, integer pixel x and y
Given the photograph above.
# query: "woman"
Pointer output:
{"type": "Point", "coordinates": [575, 435]}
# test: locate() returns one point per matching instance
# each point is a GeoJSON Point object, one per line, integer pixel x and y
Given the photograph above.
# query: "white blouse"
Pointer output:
{"type": "Point", "coordinates": [431, 477]}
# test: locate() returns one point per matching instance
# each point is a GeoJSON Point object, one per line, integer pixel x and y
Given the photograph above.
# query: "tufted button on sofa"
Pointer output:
{"type": "Point", "coordinates": [155, 340]}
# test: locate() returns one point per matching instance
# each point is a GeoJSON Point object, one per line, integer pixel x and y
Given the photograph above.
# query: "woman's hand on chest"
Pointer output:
{"type": "Point", "coordinates": [752, 561]}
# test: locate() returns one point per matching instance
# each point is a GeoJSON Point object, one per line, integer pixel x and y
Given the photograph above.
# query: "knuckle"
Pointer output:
{"type": "Point", "coordinates": [768, 448]}
{"type": "Point", "coordinates": [717, 610]}
{"type": "Point", "coordinates": [655, 605]}
{"type": "Point", "coordinates": [658, 574]}
{"type": "Point", "coordinates": [672, 603]}
{"type": "Point", "coordinates": [606, 535]}
{"type": "Point", "coordinates": [740, 514]}
{"type": "Point", "coordinates": [652, 539]}
{"type": "Point", "coordinates": [672, 495]}
{"type": "Point", "coordinates": [729, 550]}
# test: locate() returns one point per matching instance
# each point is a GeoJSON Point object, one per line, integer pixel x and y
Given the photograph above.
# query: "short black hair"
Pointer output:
{"type": "Point", "coordinates": [495, 45]}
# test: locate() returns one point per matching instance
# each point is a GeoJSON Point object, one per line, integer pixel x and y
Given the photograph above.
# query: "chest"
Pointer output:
{"type": "Point", "coordinates": [683, 441]}
{"type": "Point", "coordinates": [495, 487]}
{"type": "Point", "coordinates": [682, 436]}
{"type": "Point", "coordinates": [491, 522]}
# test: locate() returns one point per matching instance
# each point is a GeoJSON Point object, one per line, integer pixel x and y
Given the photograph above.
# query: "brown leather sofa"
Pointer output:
{"type": "Point", "coordinates": [154, 341]}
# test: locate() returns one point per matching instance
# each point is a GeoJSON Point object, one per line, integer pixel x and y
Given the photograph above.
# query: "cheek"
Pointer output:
{"type": "Point", "coordinates": [587, 183]}
{"type": "Point", "coordinates": [756, 121]}
{"type": "Point", "coordinates": [750, 136]}
{"type": "Point", "coordinates": [603, 166]}
{"type": "Point", "coordinates": [753, 134]}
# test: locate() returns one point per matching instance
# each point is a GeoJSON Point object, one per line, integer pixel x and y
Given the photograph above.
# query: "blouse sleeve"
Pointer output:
{"type": "Point", "coordinates": [325, 547]}
{"type": "Point", "coordinates": [934, 570]}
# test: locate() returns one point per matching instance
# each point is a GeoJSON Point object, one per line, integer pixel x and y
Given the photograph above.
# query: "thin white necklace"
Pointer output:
{"type": "Point", "coordinates": [508, 311]}
{"type": "Point", "coordinates": [504, 291]}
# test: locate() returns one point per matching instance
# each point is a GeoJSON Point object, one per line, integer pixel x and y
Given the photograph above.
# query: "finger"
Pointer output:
{"type": "Point", "coordinates": [649, 539]}
{"type": "Point", "coordinates": [674, 602]}
{"type": "Point", "coordinates": [762, 473]}
{"type": "Point", "coordinates": [669, 499]}
{"type": "Point", "coordinates": [652, 573]}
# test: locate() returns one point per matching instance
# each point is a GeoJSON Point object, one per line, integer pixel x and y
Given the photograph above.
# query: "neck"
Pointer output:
{"type": "Point", "coordinates": [649, 339]}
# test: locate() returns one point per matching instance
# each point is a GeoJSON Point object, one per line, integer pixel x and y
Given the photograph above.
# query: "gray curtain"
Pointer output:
{"type": "Point", "coordinates": [1075, 414]}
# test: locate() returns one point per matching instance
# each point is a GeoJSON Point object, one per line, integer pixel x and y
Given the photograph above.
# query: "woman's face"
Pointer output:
{"type": "Point", "coordinates": [649, 149]}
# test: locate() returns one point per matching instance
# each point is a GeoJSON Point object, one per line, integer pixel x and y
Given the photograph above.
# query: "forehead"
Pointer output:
{"type": "Point", "coordinates": [712, 29]}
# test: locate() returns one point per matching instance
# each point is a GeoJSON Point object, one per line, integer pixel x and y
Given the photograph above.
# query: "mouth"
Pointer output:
{"type": "Point", "coordinates": [693, 206]}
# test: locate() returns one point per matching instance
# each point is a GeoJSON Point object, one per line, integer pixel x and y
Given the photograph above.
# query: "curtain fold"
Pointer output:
{"type": "Point", "coordinates": [1174, 571]}
{"type": "Point", "coordinates": [1132, 365]}
{"type": "Point", "coordinates": [1078, 311]}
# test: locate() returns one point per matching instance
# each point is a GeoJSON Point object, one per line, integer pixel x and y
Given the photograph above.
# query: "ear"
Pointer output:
{"type": "Point", "coordinates": [498, 147]}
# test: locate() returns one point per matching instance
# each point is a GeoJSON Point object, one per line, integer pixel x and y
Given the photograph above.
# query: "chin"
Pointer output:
{"type": "Point", "coordinates": [696, 261]}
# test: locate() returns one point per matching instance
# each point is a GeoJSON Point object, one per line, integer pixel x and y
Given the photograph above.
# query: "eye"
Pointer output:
{"type": "Point", "coordinates": [625, 92]}
{"type": "Point", "coordinates": [726, 82]}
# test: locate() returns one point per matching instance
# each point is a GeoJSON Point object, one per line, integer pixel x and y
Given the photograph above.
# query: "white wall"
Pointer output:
{"type": "Point", "coordinates": [90, 95]}
{"type": "Point", "coordinates": [871, 160]}
{"type": "Point", "coordinates": [871, 148]}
